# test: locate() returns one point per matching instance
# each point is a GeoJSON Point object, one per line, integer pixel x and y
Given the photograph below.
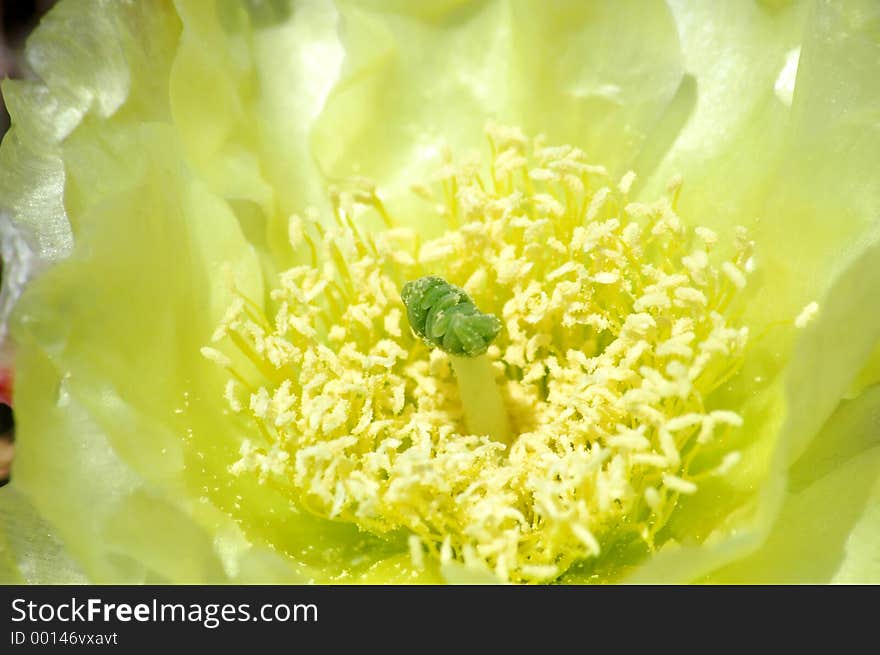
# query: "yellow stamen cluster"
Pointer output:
{"type": "Point", "coordinates": [615, 333]}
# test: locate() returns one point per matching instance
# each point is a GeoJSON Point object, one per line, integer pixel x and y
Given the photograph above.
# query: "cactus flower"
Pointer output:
{"type": "Point", "coordinates": [646, 350]}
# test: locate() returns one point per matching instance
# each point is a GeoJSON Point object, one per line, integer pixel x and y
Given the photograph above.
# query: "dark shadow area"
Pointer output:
{"type": "Point", "coordinates": [7, 442]}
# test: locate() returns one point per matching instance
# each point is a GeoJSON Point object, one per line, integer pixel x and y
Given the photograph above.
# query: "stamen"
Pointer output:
{"type": "Point", "coordinates": [594, 383]}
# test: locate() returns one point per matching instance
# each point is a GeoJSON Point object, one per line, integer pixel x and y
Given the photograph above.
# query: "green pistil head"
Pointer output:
{"type": "Point", "coordinates": [445, 317]}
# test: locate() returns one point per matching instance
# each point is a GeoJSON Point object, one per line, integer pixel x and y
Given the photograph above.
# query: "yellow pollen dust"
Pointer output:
{"type": "Point", "coordinates": [616, 331]}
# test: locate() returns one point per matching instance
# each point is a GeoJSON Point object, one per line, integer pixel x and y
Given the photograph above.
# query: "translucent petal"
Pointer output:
{"type": "Point", "coordinates": [828, 527]}
{"type": "Point", "coordinates": [84, 54]}
{"type": "Point", "coordinates": [793, 172]}
{"type": "Point", "coordinates": [728, 143]}
{"type": "Point", "coordinates": [29, 548]}
{"type": "Point", "coordinates": [417, 79]}
{"type": "Point", "coordinates": [245, 87]}
{"type": "Point", "coordinates": [796, 178]}
{"type": "Point", "coordinates": [111, 384]}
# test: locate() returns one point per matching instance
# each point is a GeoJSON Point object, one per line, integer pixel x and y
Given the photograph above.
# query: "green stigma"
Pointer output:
{"type": "Point", "coordinates": [445, 317]}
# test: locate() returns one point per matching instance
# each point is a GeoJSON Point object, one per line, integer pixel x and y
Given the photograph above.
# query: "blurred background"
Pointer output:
{"type": "Point", "coordinates": [17, 19]}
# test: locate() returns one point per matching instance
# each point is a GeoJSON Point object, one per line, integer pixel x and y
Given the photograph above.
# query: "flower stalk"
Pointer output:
{"type": "Point", "coordinates": [484, 411]}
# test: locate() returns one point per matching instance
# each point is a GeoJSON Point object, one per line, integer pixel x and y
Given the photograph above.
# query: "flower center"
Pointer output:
{"type": "Point", "coordinates": [614, 334]}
